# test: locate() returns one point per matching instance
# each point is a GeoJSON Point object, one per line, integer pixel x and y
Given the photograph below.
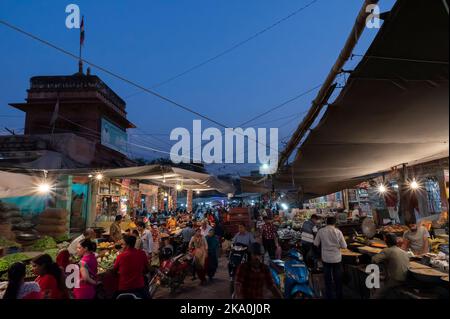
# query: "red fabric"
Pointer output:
{"type": "Point", "coordinates": [131, 265]}
{"type": "Point", "coordinates": [253, 280]}
{"type": "Point", "coordinates": [32, 296]}
{"type": "Point", "coordinates": [63, 259]}
{"type": "Point", "coordinates": [49, 287]}
{"type": "Point", "coordinates": [391, 199]}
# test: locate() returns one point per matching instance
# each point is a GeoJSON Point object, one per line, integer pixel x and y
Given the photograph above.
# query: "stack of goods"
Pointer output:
{"type": "Point", "coordinates": [53, 222]}
{"type": "Point", "coordinates": [236, 216]}
{"type": "Point", "coordinates": [9, 217]}
{"type": "Point", "coordinates": [298, 219]}
{"type": "Point", "coordinates": [396, 229]}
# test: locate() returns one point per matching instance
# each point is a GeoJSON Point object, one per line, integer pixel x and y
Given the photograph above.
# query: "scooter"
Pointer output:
{"type": "Point", "coordinates": [238, 255]}
{"type": "Point", "coordinates": [171, 273]}
{"type": "Point", "coordinates": [292, 276]}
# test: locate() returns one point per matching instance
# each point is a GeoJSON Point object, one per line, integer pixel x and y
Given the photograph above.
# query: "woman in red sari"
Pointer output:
{"type": "Point", "coordinates": [50, 278]}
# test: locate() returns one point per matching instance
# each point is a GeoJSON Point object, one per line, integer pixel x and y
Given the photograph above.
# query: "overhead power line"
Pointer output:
{"type": "Point", "coordinates": [229, 50]}
{"type": "Point", "coordinates": [103, 69]}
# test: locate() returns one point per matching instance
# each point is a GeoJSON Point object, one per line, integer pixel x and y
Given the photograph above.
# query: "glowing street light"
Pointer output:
{"type": "Point", "coordinates": [414, 185]}
{"type": "Point", "coordinates": [382, 189]}
{"type": "Point", "coordinates": [44, 188]}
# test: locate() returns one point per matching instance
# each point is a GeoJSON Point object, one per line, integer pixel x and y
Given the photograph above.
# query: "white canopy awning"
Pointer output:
{"type": "Point", "coordinates": [15, 185]}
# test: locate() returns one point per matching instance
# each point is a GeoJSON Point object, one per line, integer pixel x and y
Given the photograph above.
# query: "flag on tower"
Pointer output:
{"type": "Point", "coordinates": [82, 31]}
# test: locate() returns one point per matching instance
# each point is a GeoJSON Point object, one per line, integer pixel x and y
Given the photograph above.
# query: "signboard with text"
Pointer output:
{"type": "Point", "coordinates": [114, 137]}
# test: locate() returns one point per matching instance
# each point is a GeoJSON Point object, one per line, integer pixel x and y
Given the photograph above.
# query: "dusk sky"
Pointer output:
{"type": "Point", "coordinates": [150, 41]}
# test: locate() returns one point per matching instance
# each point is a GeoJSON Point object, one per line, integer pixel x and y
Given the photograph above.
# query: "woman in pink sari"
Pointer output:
{"type": "Point", "coordinates": [88, 270]}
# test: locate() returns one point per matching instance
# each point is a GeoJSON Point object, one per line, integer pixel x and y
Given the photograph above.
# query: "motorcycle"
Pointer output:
{"type": "Point", "coordinates": [292, 276]}
{"type": "Point", "coordinates": [238, 255]}
{"type": "Point", "coordinates": [171, 273]}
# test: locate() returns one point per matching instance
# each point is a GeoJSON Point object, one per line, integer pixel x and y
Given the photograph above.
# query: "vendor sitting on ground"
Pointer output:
{"type": "Point", "coordinates": [416, 239]}
{"type": "Point", "coordinates": [396, 263]}
{"type": "Point", "coordinates": [88, 234]}
{"type": "Point", "coordinates": [115, 232]}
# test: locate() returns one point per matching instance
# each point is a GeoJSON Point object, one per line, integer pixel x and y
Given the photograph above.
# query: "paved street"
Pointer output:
{"type": "Point", "coordinates": [219, 289]}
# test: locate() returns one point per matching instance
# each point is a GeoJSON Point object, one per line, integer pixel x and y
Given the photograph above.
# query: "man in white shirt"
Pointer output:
{"type": "Point", "coordinates": [205, 228]}
{"type": "Point", "coordinates": [88, 234]}
{"type": "Point", "coordinates": [331, 241]}
{"type": "Point", "coordinates": [146, 238]}
{"type": "Point", "coordinates": [355, 213]}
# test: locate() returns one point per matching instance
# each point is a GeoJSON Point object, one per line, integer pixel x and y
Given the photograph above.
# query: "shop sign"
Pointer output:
{"type": "Point", "coordinates": [148, 189]}
{"type": "Point", "coordinates": [114, 137]}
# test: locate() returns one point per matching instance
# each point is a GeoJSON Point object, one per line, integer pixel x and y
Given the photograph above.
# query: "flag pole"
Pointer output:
{"type": "Point", "coordinates": [80, 62]}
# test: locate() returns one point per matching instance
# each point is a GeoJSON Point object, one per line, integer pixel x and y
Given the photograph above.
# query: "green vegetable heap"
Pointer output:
{"type": "Point", "coordinates": [44, 243]}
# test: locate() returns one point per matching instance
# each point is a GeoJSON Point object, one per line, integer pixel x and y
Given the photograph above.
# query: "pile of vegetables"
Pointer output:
{"type": "Point", "coordinates": [53, 252]}
{"type": "Point", "coordinates": [9, 243]}
{"type": "Point", "coordinates": [107, 261]}
{"type": "Point", "coordinates": [29, 274]}
{"type": "Point", "coordinates": [44, 243]}
{"type": "Point", "coordinates": [62, 238]}
{"type": "Point", "coordinates": [8, 260]}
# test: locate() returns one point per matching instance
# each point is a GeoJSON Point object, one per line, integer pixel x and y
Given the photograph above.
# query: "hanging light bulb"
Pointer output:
{"type": "Point", "coordinates": [198, 192]}
{"type": "Point", "coordinates": [414, 184]}
{"type": "Point", "coordinates": [99, 176]}
{"type": "Point", "coordinates": [178, 187]}
{"type": "Point", "coordinates": [44, 188]}
{"type": "Point", "coordinates": [382, 189]}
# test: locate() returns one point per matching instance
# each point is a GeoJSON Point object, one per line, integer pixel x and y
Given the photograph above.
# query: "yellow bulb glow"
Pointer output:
{"type": "Point", "coordinates": [382, 189]}
{"type": "Point", "coordinates": [99, 177]}
{"type": "Point", "coordinates": [414, 185]}
{"type": "Point", "coordinates": [44, 188]}
{"type": "Point", "coordinates": [178, 187]}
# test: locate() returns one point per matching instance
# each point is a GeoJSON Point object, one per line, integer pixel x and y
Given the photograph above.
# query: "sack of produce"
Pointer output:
{"type": "Point", "coordinates": [56, 213]}
{"type": "Point", "coordinates": [5, 215]}
{"type": "Point", "coordinates": [16, 220]}
{"type": "Point", "coordinates": [14, 213]}
{"type": "Point", "coordinates": [52, 221]}
{"type": "Point", "coordinates": [24, 226]}
{"type": "Point", "coordinates": [45, 229]}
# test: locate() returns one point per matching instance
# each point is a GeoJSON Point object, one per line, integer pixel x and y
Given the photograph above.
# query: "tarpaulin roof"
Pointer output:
{"type": "Point", "coordinates": [393, 109]}
{"type": "Point", "coordinates": [162, 175]}
{"type": "Point", "coordinates": [15, 185]}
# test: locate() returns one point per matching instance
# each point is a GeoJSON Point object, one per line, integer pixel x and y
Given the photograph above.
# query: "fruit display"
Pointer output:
{"type": "Point", "coordinates": [107, 261]}
{"type": "Point", "coordinates": [106, 245]}
{"type": "Point", "coordinates": [44, 243]}
{"type": "Point", "coordinates": [8, 260]}
{"type": "Point", "coordinates": [436, 243]}
{"type": "Point", "coordinates": [394, 229]}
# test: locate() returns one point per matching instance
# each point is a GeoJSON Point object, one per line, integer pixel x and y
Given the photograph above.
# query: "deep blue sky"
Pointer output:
{"type": "Point", "coordinates": [152, 40]}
